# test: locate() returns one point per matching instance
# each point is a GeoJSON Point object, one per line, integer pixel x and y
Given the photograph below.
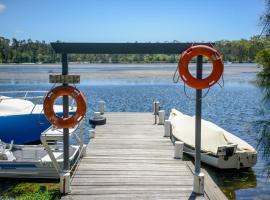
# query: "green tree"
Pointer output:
{"type": "Point", "coordinates": [265, 19]}
{"type": "Point", "coordinates": [263, 58]}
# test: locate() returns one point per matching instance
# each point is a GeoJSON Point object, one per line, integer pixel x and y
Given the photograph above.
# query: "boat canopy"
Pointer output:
{"type": "Point", "coordinates": [12, 106]}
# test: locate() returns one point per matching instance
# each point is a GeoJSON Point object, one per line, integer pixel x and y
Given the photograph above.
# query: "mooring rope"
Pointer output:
{"type": "Point", "coordinates": [208, 89]}
{"type": "Point", "coordinates": [174, 76]}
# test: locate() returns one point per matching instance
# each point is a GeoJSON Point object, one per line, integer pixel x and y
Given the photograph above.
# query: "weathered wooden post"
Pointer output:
{"type": "Point", "coordinates": [97, 114]}
{"type": "Point", "coordinates": [167, 128]}
{"type": "Point", "coordinates": [161, 117]}
{"type": "Point", "coordinates": [92, 133]}
{"type": "Point", "coordinates": [178, 150]}
{"type": "Point", "coordinates": [101, 107]}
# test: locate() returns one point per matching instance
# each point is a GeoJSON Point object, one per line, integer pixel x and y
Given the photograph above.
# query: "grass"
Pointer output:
{"type": "Point", "coordinates": [32, 190]}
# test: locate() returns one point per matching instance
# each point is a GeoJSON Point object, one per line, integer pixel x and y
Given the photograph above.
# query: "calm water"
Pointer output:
{"type": "Point", "coordinates": [235, 108]}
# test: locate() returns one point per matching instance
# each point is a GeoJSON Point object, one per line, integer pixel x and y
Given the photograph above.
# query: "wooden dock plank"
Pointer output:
{"type": "Point", "coordinates": [130, 159]}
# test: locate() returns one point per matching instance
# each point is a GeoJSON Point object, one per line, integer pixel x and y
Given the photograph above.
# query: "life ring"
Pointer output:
{"type": "Point", "coordinates": [70, 121]}
{"type": "Point", "coordinates": [212, 55]}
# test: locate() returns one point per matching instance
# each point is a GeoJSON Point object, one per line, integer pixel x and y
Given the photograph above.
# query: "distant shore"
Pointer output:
{"type": "Point", "coordinates": [40, 72]}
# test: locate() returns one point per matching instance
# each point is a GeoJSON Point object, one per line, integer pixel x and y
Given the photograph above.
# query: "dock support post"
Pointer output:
{"type": "Point", "coordinates": [97, 114]}
{"type": "Point", "coordinates": [167, 128]}
{"type": "Point", "coordinates": [82, 146]}
{"type": "Point", "coordinates": [65, 183]}
{"type": "Point", "coordinates": [198, 184]}
{"type": "Point", "coordinates": [66, 164]}
{"type": "Point", "coordinates": [156, 105]}
{"type": "Point", "coordinates": [178, 150]}
{"type": "Point", "coordinates": [101, 107]}
{"type": "Point", "coordinates": [92, 133]}
{"type": "Point", "coordinates": [161, 117]}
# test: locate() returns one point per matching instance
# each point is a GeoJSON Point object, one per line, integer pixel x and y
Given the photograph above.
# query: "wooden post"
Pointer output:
{"type": "Point", "coordinates": [101, 107]}
{"type": "Point", "coordinates": [178, 150]}
{"type": "Point", "coordinates": [161, 117]}
{"type": "Point", "coordinates": [92, 133]}
{"type": "Point", "coordinates": [65, 183]}
{"type": "Point", "coordinates": [97, 114]}
{"type": "Point", "coordinates": [167, 128]}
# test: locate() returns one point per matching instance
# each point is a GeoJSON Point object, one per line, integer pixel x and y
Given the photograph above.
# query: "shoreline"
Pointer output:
{"type": "Point", "coordinates": [111, 72]}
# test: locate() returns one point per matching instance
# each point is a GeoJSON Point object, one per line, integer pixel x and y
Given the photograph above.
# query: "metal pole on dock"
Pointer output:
{"type": "Point", "coordinates": [66, 176]}
{"type": "Point", "coordinates": [198, 186]}
{"type": "Point", "coordinates": [65, 113]}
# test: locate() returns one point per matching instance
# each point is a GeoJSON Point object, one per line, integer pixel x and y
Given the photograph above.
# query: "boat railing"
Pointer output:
{"type": "Point", "coordinates": [25, 94]}
{"type": "Point", "coordinates": [52, 135]}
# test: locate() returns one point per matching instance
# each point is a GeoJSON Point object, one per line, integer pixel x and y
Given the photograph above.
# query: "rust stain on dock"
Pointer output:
{"type": "Point", "coordinates": [130, 159]}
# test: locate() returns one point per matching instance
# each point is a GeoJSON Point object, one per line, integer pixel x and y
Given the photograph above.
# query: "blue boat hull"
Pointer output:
{"type": "Point", "coordinates": [23, 129]}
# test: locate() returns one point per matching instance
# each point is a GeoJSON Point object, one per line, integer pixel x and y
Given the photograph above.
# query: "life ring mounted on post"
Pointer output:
{"type": "Point", "coordinates": [64, 122]}
{"type": "Point", "coordinates": [212, 55]}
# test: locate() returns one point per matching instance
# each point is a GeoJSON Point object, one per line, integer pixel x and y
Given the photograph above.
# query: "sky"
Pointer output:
{"type": "Point", "coordinates": [130, 20]}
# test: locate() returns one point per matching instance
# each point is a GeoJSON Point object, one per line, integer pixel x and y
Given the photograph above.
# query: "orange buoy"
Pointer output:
{"type": "Point", "coordinates": [212, 55]}
{"type": "Point", "coordinates": [64, 122]}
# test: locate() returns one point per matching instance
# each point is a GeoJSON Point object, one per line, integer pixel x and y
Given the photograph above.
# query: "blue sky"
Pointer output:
{"type": "Point", "coordinates": [129, 21]}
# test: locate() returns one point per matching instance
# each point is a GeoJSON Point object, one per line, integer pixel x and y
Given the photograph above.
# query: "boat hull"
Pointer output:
{"type": "Point", "coordinates": [35, 168]}
{"type": "Point", "coordinates": [238, 160]}
{"type": "Point", "coordinates": [23, 129]}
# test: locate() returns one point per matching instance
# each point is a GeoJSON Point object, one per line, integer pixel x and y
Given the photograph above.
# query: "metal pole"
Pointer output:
{"type": "Point", "coordinates": [198, 118]}
{"type": "Point", "coordinates": [198, 186]}
{"type": "Point", "coordinates": [65, 114]}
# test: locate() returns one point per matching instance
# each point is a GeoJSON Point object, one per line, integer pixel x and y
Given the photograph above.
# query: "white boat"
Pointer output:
{"type": "Point", "coordinates": [40, 161]}
{"type": "Point", "coordinates": [219, 148]}
{"type": "Point", "coordinates": [31, 161]}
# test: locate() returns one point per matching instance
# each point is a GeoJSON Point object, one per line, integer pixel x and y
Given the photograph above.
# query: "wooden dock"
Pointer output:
{"type": "Point", "coordinates": [130, 159]}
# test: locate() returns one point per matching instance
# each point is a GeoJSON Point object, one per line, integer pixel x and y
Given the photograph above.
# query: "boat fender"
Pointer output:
{"type": "Point", "coordinates": [212, 55]}
{"type": "Point", "coordinates": [97, 121]}
{"type": "Point", "coordinates": [64, 90]}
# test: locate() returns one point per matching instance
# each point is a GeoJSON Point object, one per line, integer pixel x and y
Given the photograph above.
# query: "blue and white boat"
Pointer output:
{"type": "Point", "coordinates": [23, 121]}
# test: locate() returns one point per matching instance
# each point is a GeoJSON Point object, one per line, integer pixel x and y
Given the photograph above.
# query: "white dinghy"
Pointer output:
{"type": "Point", "coordinates": [41, 161]}
{"type": "Point", "coordinates": [219, 148]}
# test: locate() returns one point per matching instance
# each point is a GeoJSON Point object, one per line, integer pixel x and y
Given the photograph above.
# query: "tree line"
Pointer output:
{"type": "Point", "coordinates": [28, 51]}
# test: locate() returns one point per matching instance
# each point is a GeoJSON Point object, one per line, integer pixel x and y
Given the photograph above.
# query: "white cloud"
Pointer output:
{"type": "Point", "coordinates": [2, 8]}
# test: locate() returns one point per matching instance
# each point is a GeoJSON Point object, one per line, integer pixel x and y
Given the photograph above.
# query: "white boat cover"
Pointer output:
{"type": "Point", "coordinates": [9, 106]}
{"type": "Point", "coordinates": [212, 136]}
{"type": "Point", "coordinates": [13, 106]}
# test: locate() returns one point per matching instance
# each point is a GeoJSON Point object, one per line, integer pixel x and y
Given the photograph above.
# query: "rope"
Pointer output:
{"type": "Point", "coordinates": [192, 99]}
{"type": "Point", "coordinates": [174, 76]}
{"type": "Point", "coordinates": [222, 78]}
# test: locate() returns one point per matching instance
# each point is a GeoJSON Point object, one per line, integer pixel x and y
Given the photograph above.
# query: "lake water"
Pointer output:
{"type": "Point", "coordinates": [235, 107]}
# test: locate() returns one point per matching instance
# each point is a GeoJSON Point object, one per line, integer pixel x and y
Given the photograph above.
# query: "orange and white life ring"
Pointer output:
{"type": "Point", "coordinates": [65, 122]}
{"type": "Point", "coordinates": [212, 55]}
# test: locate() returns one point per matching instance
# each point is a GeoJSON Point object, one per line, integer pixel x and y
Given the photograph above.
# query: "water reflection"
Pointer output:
{"type": "Point", "coordinates": [262, 126]}
{"type": "Point", "coordinates": [231, 181]}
